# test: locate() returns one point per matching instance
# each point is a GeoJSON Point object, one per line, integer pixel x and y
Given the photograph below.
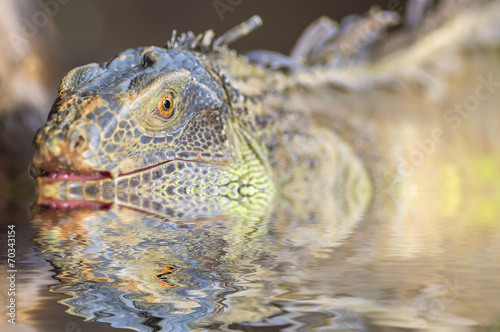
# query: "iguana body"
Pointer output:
{"type": "Point", "coordinates": [238, 132]}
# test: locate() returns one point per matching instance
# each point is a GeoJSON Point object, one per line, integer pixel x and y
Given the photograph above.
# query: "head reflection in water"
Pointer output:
{"type": "Point", "coordinates": [121, 265]}
{"type": "Point", "coordinates": [134, 270]}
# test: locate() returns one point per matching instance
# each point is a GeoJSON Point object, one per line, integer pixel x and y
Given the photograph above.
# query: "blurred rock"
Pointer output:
{"type": "Point", "coordinates": [24, 97]}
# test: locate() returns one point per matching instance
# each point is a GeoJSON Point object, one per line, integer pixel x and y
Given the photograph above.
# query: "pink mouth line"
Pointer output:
{"type": "Point", "coordinates": [56, 176]}
{"type": "Point", "coordinates": [54, 204]}
{"type": "Point", "coordinates": [59, 176]}
{"type": "Point", "coordinates": [71, 176]}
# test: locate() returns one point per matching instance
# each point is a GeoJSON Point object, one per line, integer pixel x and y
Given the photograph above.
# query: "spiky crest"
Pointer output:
{"type": "Point", "coordinates": [205, 42]}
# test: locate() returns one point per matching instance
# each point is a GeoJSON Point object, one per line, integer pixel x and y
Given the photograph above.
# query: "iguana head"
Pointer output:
{"type": "Point", "coordinates": [152, 120]}
{"type": "Point", "coordinates": [143, 108]}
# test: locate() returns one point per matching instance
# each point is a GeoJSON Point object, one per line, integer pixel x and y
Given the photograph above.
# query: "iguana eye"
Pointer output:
{"type": "Point", "coordinates": [165, 107]}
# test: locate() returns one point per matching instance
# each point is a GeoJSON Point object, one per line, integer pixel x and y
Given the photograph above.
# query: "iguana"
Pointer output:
{"type": "Point", "coordinates": [193, 128]}
{"type": "Point", "coordinates": [382, 154]}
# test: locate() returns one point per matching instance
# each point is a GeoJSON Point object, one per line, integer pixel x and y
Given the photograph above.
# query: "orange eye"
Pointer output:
{"type": "Point", "coordinates": [165, 107]}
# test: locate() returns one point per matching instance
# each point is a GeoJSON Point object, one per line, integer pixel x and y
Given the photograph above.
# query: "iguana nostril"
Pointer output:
{"type": "Point", "coordinates": [84, 138]}
{"type": "Point", "coordinates": [77, 141]}
{"type": "Point", "coordinates": [80, 143]}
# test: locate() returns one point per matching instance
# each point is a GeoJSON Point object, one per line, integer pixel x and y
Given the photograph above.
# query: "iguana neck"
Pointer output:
{"type": "Point", "coordinates": [282, 118]}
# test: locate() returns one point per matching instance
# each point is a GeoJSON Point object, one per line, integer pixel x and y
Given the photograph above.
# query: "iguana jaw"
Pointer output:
{"type": "Point", "coordinates": [171, 184]}
{"type": "Point", "coordinates": [124, 168]}
{"type": "Point", "coordinates": [56, 176]}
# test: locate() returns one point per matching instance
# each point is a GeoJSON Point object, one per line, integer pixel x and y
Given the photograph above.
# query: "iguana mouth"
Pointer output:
{"type": "Point", "coordinates": [55, 204]}
{"type": "Point", "coordinates": [43, 174]}
{"type": "Point", "coordinates": [186, 181]}
{"type": "Point", "coordinates": [46, 175]}
{"type": "Point", "coordinates": [55, 176]}
{"type": "Point", "coordinates": [68, 189]}
{"type": "Point", "coordinates": [53, 189]}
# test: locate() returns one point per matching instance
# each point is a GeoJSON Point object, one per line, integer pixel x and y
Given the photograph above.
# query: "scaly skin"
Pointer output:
{"type": "Point", "coordinates": [246, 128]}
{"type": "Point", "coordinates": [104, 142]}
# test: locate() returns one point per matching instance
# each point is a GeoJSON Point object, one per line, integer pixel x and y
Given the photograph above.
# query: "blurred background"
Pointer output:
{"type": "Point", "coordinates": [93, 30]}
{"type": "Point", "coordinates": [41, 40]}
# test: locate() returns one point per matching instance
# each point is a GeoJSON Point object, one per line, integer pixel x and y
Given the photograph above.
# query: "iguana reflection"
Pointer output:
{"type": "Point", "coordinates": [137, 270]}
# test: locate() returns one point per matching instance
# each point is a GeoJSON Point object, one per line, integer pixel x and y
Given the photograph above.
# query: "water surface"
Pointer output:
{"type": "Point", "coordinates": [390, 268]}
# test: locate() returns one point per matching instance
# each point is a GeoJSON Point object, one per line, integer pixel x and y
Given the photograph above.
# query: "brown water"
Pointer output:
{"type": "Point", "coordinates": [413, 270]}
